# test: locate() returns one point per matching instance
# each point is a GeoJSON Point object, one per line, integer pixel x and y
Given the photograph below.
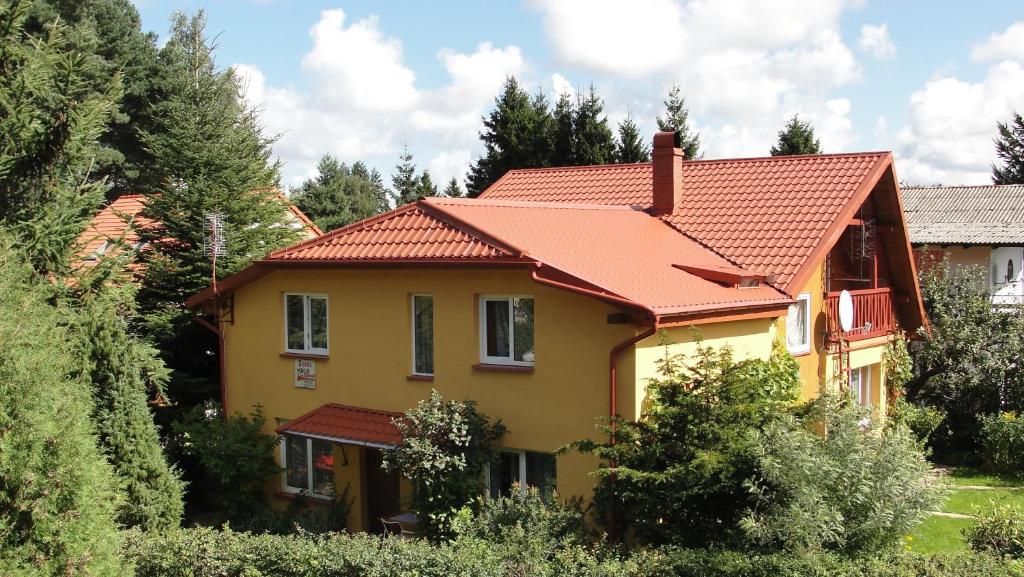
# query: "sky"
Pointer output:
{"type": "Point", "coordinates": [925, 79]}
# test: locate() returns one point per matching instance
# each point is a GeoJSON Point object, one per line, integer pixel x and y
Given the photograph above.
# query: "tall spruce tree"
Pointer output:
{"type": "Point", "coordinates": [338, 195]}
{"type": "Point", "coordinates": [123, 372]}
{"type": "Point", "coordinates": [212, 158]}
{"type": "Point", "coordinates": [405, 183]}
{"type": "Point", "coordinates": [676, 118]}
{"type": "Point", "coordinates": [110, 32]}
{"type": "Point", "coordinates": [595, 143]}
{"type": "Point", "coordinates": [426, 185]}
{"type": "Point", "coordinates": [58, 495]}
{"type": "Point", "coordinates": [631, 147]}
{"type": "Point", "coordinates": [563, 138]}
{"type": "Point", "coordinates": [516, 134]}
{"type": "Point", "coordinates": [1010, 149]}
{"type": "Point", "coordinates": [51, 114]}
{"type": "Point", "coordinates": [453, 190]}
{"type": "Point", "coordinates": [796, 138]}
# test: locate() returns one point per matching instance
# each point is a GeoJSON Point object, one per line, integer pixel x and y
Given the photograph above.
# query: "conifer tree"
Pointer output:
{"type": "Point", "coordinates": [211, 157]}
{"type": "Point", "coordinates": [631, 147]}
{"type": "Point", "coordinates": [122, 371]}
{"type": "Point", "coordinates": [453, 190]}
{"type": "Point", "coordinates": [595, 143]}
{"type": "Point", "coordinates": [1010, 149]}
{"type": "Point", "coordinates": [338, 195]}
{"type": "Point", "coordinates": [426, 185]}
{"type": "Point", "coordinates": [676, 118]}
{"type": "Point", "coordinates": [58, 495]}
{"type": "Point", "coordinates": [51, 114]}
{"type": "Point", "coordinates": [515, 135]}
{"type": "Point", "coordinates": [405, 184]}
{"type": "Point", "coordinates": [796, 138]}
{"type": "Point", "coordinates": [563, 148]}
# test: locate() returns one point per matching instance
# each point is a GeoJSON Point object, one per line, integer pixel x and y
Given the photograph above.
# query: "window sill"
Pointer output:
{"type": "Point", "coordinates": [800, 354]}
{"type": "Point", "coordinates": [289, 496]}
{"type": "Point", "coordinates": [309, 356]}
{"type": "Point", "coordinates": [424, 378]}
{"type": "Point", "coordinates": [503, 368]}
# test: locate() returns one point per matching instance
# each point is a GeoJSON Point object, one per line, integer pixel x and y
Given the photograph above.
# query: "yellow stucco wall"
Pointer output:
{"type": "Point", "coordinates": [748, 339]}
{"type": "Point", "coordinates": [369, 324]}
{"type": "Point", "coordinates": [967, 256]}
{"type": "Point", "coordinates": [813, 374]}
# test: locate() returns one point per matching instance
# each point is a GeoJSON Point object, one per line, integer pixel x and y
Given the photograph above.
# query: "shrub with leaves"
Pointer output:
{"type": "Point", "coordinates": [445, 447]}
{"type": "Point", "coordinates": [1002, 442]}
{"type": "Point", "coordinates": [235, 454]}
{"type": "Point", "coordinates": [999, 530]}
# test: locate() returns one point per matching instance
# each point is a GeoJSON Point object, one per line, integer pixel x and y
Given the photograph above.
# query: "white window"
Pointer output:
{"type": "Point", "coordinates": [513, 467]}
{"type": "Point", "coordinates": [506, 330]}
{"type": "Point", "coordinates": [308, 465]}
{"type": "Point", "coordinates": [798, 325]}
{"type": "Point", "coordinates": [422, 335]}
{"type": "Point", "coordinates": [860, 385]}
{"type": "Point", "coordinates": [305, 323]}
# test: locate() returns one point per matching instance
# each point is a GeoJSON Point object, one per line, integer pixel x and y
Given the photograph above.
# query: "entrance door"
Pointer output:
{"type": "Point", "coordinates": [382, 493]}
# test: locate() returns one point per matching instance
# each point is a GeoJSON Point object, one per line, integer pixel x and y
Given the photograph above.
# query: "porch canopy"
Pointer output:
{"type": "Point", "coordinates": [347, 424]}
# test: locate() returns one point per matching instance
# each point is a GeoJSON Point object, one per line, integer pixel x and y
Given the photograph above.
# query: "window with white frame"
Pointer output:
{"type": "Point", "coordinates": [506, 330]}
{"type": "Point", "coordinates": [860, 385]}
{"type": "Point", "coordinates": [305, 323]}
{"type": "Point", "coordinates": [525, 468]}
{"type": "Point", "coordinates": [798, 325]}
{"type": "Point", "coordinates": [308, 465]}
{"type": "Point", "coordinates": [422, 335]}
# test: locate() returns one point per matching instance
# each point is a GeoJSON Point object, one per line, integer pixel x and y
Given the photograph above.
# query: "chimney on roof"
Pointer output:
{"type": "Point", "coordinates": [667, 165]}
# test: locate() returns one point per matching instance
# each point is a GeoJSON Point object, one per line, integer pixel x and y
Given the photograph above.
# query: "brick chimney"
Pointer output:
{"type": "Point", "coordinates": [667, 165]}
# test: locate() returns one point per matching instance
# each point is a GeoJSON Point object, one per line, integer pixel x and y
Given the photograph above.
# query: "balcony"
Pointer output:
{"type": "Point", "coordinates": [873, 314]}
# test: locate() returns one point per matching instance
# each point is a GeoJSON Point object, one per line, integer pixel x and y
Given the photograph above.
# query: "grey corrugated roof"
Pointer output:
{"type": "Point", "coordinates": [965, 214]}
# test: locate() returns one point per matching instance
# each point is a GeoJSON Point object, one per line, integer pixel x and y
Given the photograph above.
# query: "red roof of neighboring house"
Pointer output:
{"type": "Point", "coordinates": [343, 423]}
{"type": "Point", "coordinates": [767, 214]}
{"type": "Point", "coordinates": [112, 223]}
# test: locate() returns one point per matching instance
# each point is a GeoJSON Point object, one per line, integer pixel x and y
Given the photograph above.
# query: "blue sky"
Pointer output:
{"type": "Point", "coordinates": [925, 79]}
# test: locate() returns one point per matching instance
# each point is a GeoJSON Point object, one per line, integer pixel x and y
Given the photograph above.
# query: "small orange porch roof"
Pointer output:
{"type": "Point", "coordinates": [347, 424]}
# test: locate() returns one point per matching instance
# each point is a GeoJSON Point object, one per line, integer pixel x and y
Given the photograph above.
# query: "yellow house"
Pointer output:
{"type": "Point", "coordinates": [545, 300]}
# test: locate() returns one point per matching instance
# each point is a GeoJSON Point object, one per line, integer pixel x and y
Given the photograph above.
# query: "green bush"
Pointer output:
{"type": "Point", "coordinates": [1002, 442]}
{"type": "Point", "coordinates": [999, 531]}
{"type": "Point", "coordinates": [921, 420]}
{"type": "Point", "coordinates": [445, 445]}
{"type": "Point", "coordinates": [211, 553]}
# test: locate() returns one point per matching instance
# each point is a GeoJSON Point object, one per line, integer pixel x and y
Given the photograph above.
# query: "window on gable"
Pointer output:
{"type": "Point", "coordinates": [512, 467]}
{"type": "Point", "coordinates": [305, 323]}
{"type": "Point", "coordinates": [506, 331]}
{"type": "Point", "coordinates": [423, 335]}
{"type": "Point", "coordinates": [308, 465]}
{"type": "Point", "coordinates": [798, 325]}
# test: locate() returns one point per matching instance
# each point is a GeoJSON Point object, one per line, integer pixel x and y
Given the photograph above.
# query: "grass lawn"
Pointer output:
{"type": "Point", "coordinates": [945, 533]}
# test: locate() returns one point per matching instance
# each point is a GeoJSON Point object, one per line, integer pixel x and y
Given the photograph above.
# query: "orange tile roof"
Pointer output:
{"type": "Point", "coordinates": [344, 423]}
{"type": "Point", "coordinates": [767, 214]}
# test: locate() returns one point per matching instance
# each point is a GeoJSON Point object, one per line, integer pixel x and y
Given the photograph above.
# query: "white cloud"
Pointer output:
{"type": "Point", "coordinates": [949, 131]}
{"type": "Point", "coordinates": [561, 85]}
{"type": "Point", "coordinates": [875, 41]}
{"type": "Point", "coordinates": [364, 100]}
{"type": "Point", "coordinates": [1006, 45]}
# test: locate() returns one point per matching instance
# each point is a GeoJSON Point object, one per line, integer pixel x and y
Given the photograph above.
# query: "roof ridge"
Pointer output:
{"type": "Point", "coordinates": [512, 203]}
{"type": "Point", "coordinates": [363, 409]}
{"type": "Point", "coordinates": [359, 224]}
{"type": "Point", "coordinates": [954, 186]}
{"type": "Point", "coordinates": [615, 165]}
{"type": "Point", "coordinates": [790, 157]}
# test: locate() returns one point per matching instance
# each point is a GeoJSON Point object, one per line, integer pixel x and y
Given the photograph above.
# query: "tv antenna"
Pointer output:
{"type": "Point", "coordinates": [215, 241]}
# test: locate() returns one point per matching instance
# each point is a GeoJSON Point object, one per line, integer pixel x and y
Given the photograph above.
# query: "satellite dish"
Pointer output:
{"type": "Point", "coordinates": [845, 311]}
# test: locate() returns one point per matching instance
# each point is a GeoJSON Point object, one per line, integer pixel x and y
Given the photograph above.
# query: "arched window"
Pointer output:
{"type": "Point", "coordinates": [1009, 271]}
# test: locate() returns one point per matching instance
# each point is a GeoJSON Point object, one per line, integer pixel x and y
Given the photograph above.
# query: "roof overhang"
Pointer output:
{"type": "Point", "coordinates": [347, 424]}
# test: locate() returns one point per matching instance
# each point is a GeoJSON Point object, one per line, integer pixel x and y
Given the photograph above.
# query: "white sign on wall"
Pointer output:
{"type": "Point", "coordinates": [305, 373]}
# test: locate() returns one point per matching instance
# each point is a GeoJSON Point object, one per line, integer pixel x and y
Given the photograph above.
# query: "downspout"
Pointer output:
{"type": "Point", "coordinates": [220, 358]}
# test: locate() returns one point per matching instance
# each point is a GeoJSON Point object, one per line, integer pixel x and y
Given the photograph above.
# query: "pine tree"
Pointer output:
{"type": "Point", "coordinates": [631, 147]}
{"type": "Point", "coordinates": [338, 195]}
{"type": "Point", "coordinates": [110, 32]}
{"type": "Point", "coordinates": [122, 370]}
{"type": "Point", "coordinates": [563, 149]}
{"type": "Point", "coordinates": [796, 138]}
{"type": "Point", "coordinates": [515, 135]}
{"type": "Point", "coordinates": [453, 190]}
{"type": "Point", "coordinates": [211, 157]}
{"type": "Point", "coordinates": [405, 184]}
{"type": "Point", "coordinates": [58, 495]}
{"type": "Point", "coordinates": [595, 143]}
{"type": "Point", "coordinates": [426, 185]}
{"type": "Point", "coordinates": [676, 118]}
{"type": "Point", "coordinates": [380, 192]}
{"type": "Point", "coordinates": [51, 114]}
{"type": "Point", "coordinates": [1010, 149]}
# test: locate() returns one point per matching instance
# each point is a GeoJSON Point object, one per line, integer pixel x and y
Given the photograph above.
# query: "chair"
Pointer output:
{"type": "Point", "coordinates": [395, 529]}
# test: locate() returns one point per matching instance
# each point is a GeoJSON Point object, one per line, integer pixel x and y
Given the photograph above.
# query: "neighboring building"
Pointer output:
{"type": "Point", "coordinates": [546, 300]}
{"type": "Point", "coordinates": [971, 226]}
{"type": "Point", "coordinates": [116, 224]}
